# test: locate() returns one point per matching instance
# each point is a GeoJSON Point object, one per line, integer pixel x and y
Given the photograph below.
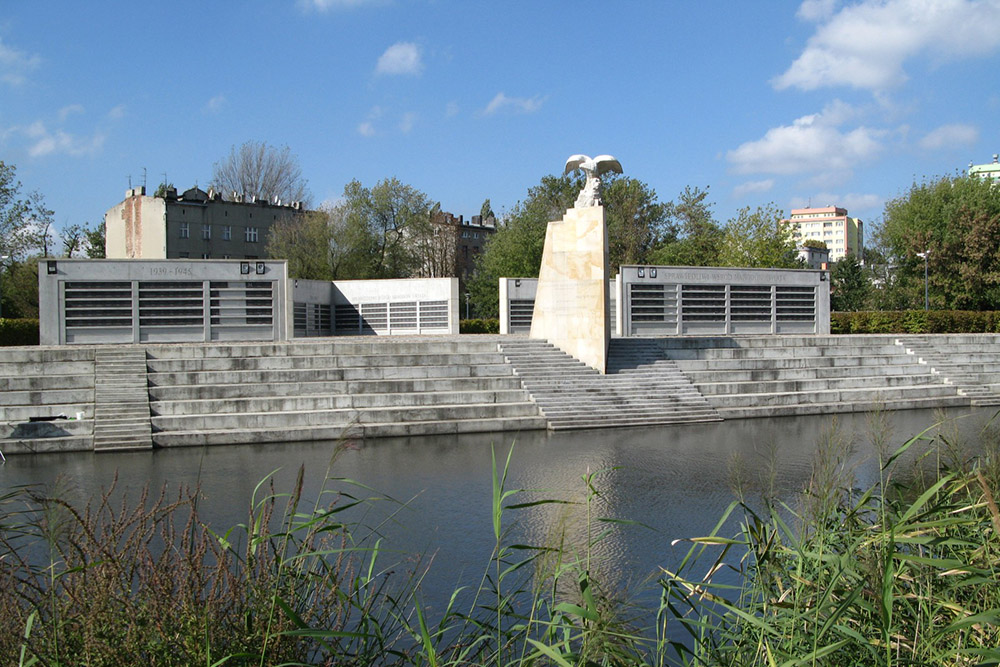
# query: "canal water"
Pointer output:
{"type": "Point", "coordinates": [430, 497]}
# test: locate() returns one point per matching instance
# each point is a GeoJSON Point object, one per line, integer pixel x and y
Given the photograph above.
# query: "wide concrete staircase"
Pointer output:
{"type": "Point", "coordinates": [121, 399]}
{"type": "Point", "coordinates": [751, 376]}
{"type": "Point", "coordinates": [640, 388]}
{"type": "Point", "coordinates": [43, 391]}
{"type": "Point", "coordinates": [332, 389]}
{"type": "Point", "coordinates": [970, 362]}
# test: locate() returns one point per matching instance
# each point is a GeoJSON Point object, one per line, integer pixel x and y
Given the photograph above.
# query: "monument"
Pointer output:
{"type": "Point", "coordinates": [571, 304]}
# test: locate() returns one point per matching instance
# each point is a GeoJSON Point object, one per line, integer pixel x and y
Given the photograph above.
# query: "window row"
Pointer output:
{"type": "Point", "coordinates": [250, 234]}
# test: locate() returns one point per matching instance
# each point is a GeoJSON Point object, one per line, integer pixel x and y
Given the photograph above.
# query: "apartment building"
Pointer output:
{"type": "Point", "coordinates": [192, 225]}
{"type": "Point", "coordinates": [841, 233]}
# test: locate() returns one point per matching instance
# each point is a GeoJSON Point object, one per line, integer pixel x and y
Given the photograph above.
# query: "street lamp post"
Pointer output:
{"type": "Point", "coordinates": [3, 258]}
{"type": "Point", "coordinates": [924, 255]}
{"type": "Point", "coordinates": [466, 305]}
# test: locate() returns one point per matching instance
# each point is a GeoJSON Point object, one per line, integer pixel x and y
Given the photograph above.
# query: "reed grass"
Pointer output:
{"type": "Point", "coordinates": [901, 573]}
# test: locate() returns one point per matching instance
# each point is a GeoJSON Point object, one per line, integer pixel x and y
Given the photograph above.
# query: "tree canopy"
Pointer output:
{"type": "Point", "coordinates": [697, 237]}
{"type": "Point", "coordinates": [756, 239]}
{"type": "Point", "coordinates": [257, 169]}
{"type": "Point", "coordinates": [378, 232]}
{"type": "Point", "coordinates": [957, 221]}
{"type": "Point", "coordinates": [636, 222]}
{"type": "Point", "coordinates": [849, 285]}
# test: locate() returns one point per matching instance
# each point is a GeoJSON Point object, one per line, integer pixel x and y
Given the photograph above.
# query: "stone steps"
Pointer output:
{"type": "Point", "coordinates": [351, 431]}
{"type": "Point", "coordinates": [353, 361]}
{"type": "Point", "coordinates": [333, 389]}
{"type": "Point", "coordinates": [757, 376]}
{"type": "Point", "coordinates": [342, 401]}
{"type": "Point", "coordinates": [342, 417]}
{"type": "Point", "coordinates": [322, 387]}
{"type": "Point", "coordinates": [641, 387]}
{"type": "Point", "coordinates": [121, 400]}
{"type": "Point", "coordinates": [328, 375]}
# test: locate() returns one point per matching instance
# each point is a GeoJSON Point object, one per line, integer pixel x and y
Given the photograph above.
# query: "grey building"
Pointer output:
{"type": "Point", "coordinates": [192, 225]}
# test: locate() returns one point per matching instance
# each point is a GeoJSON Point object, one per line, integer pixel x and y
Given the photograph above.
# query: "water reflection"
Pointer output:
{"type": "Point", "coordinates": [676, 481]}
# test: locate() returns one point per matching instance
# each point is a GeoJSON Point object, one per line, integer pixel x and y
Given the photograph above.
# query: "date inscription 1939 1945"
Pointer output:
{"type": "Point", "coordinates": [170, 271]}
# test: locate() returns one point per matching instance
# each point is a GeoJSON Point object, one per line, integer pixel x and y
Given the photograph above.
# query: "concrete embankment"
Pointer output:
{"type": "Point", "coordinates": [159, 395]}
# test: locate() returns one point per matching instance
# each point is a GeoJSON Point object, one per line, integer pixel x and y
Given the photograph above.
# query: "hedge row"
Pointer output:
{"type": "Point", "coordinates": [479, 326]}
{"type": "Point", "coordinates": [18, 332]}
{"type": "Point", "coordinates": [915, 321]}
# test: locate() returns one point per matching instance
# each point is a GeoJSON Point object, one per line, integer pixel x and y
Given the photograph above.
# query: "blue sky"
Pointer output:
{"type": "Point", "coordinates": [821, 101]}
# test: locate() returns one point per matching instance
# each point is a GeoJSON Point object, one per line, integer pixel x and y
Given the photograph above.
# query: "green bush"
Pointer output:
{"type": "Point", "coordinates": [479, 326]}
{"type": "Point", "coordinates": [18, 332]}
{"type": "Point", "coordinates": [915, 322]}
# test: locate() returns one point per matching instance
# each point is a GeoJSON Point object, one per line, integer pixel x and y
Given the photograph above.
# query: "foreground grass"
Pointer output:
{"type": "Point", "coordinates": [892, 575]}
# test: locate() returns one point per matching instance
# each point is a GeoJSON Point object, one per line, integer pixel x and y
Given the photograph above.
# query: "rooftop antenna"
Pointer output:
{"type": "Point", "coordinates": [143, 177]}
{"type": "Point", "coordinates": [164, 178]}
{"type": "Point", "coordinates": [130, 181]}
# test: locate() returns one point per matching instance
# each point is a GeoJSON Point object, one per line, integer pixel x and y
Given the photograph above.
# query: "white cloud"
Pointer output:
{"type": "Point", "coordinates": [753, 186]}
{"type": "Point", "coordinates": [333, 5]}
{"type": "Point", "coordinates": [407, 122]}
{"type": "Point", "coordinates": [451, 109]}
{"type": "Point", "coordinates": [14, 65]}
{"type": "Point", "coordinates": [816, 10]}
{"type": "Point", "coordinates": [811, 143]}
{"type": "Point", "coordinates": [45, 142]}
{"type": "Point", "coordinates": [859, 202]}
{"type": "Point", "coordinates": [117, 113]}
{"type": "Point", "coordinates": [66, 111]}
{"type": "Point", "coordinates": [216, 104]}
{"type": "Point", "coordinates": [400, 58]}
{"type": "Point", "coordinates": [949, 136]}
{"type": "Point", "coordinates": [519, 104]}
{"type": "Point", "coordinates": [865, 45]}
{"type": "Point", "coordinates": [367, 127]}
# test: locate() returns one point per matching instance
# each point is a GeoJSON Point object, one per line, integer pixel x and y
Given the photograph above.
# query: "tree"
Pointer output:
{"type": "Point", "coordinates": [161, 189]}
{"type": "Point", "coordinates": [73, 240]}
{"type": "Point", "coordinates": [515, 249]}
{"type": "Point", "coordinates": [849, 285]}
{"type": "Point", "coordinates": [636, 221]}
{"type": "Point", "coordinates": [25, 224]}
{"type": "Point", "coordinates": [956, 219]}
{"type": "Point", "coordinates": [815, 243]}
{"type": "Point", "coordinates": [486, 211]}
{"type": "Point", "coordinates": [757, 239]}
{"type": "Point", "coordinates": [697, 238]}
{"type": "Point", "coordinates": [95, 241]}
{"type": "Point", "coordinates": [386, 218]}
{"type": "Point", "coordinates": [257, 169]}
{"type": "Point", "coordinates": [304, 241]}
{"type": "Point", "coordinates": [434, 242]}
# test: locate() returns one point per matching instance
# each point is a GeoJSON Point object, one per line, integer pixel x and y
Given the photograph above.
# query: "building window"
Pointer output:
{"type": "Point", "coordinates": [226, 257]}
{"type": "Point", "coordinates": [251, 234]}
{"type": "Point", "coordinates": [182, 255]}
{"type": "Point", "coordinates": [185, 231]}
{"type": "Point", "coordinates": [465, 234]}
{"type": "Point", "coordinates": [206, 232]}
{"type": "Point", "coordinates": [206, 255]}
{"type": "Point", "coordinates": [227, 233]}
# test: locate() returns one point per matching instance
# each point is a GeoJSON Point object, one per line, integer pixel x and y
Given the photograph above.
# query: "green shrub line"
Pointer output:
{"type": "Point", "coordinates": [479, 326]}
{"type": "Point", "coordinates": [915, 322]}
{"type": "Point", "coordinates": [898, 574]}
{"type": "Point", "coordinates": [18, 332]}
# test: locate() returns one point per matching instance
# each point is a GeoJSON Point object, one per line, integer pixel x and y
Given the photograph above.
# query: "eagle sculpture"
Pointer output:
{"type": "Point", "coordinates": [590, 195]}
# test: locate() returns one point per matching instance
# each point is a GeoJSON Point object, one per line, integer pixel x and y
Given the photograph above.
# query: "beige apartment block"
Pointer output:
{"type": "Point", "coordinates": [841, 233]}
